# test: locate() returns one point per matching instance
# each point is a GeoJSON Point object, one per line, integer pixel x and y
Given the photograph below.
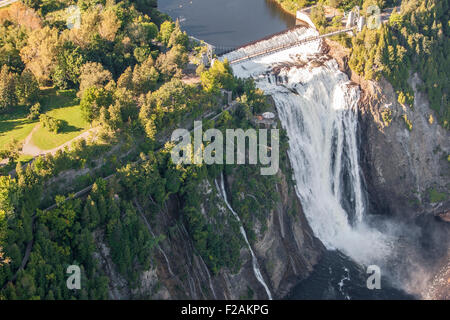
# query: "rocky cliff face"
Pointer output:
{"type": "Point", "coordinates": [405, 167]}
{"type": "Point", "coordinates": [404, 158]}
{"type": "Point", "coordinates": [286, 252]}
{"type": "Point", "coordinates": [285, 247]}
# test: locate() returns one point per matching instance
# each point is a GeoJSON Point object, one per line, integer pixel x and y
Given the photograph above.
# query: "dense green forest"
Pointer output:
{"type": "Point", "coordinates": [414, 40]}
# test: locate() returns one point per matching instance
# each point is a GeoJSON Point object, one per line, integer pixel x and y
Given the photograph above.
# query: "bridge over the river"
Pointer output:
{"type": "Point", "coordinates": [284, 46]}
{"type": "Point", "coordinates": [354, 22]}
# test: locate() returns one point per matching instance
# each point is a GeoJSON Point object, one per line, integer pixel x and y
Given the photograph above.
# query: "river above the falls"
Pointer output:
{"type": "Point", "coordinates": [230, 23]}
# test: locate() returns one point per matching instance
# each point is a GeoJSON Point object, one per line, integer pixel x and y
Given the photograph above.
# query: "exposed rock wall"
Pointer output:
{"type": "Point", "coordinates": [286, 252]}
{"type": "Point", "coordinates": [400, 166]}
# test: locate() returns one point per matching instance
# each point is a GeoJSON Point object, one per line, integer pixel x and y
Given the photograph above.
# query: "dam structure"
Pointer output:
{"type": "Point", "coordinates": [289, 38]}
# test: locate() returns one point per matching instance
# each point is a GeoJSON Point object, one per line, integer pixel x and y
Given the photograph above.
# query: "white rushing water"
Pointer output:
{"type": "Point", "coordinates": [317, 106]}
{"type": "Point", "coordinates": [255, 263]}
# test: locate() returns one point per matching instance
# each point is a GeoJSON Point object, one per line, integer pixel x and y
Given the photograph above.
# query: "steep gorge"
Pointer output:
{"type": "Point", "coordinates": [365, 192]}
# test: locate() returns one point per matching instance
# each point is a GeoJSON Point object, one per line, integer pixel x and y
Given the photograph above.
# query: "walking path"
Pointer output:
{"type": "Point", "coordinates": [29, 148]}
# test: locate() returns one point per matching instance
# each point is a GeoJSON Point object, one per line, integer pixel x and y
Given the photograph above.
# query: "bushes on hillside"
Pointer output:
{"type": "Point", "coordinates": [35, 111]}
{"type": "Point", "coordinates": [52, 124]}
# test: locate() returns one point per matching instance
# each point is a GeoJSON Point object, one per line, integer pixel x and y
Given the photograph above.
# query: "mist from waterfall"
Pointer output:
{"type": "Point", "coordinates": [317, 106]}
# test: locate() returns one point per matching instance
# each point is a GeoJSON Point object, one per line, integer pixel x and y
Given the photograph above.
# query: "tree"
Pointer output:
{"type": "Point", "coordinates": [8, 81]}
{"type": "Point", "coordinates": [11, 151]}
{"type": "Point", "coordinates": [145, 76]}
{"type": "Point", "coordinates": [12, 39]}
{"type": "Point", "coordinates": [93, 75]}
{"type": "Point", "coordinates": [27, 89]}
{"type": "Point", "coordinates": [219, 76]}
{"type": "Point", "coordinates": [92, 101]}
{"type": "Point", "coordinates": [126, 79]}
{"type": "Point", "coordinates": [35, 111]}
{"type": "Point", "coordinates": [150, 30]}
{"type": "Point", "coordinates": [165, 31]}
{"type": "Point", "coordinates": [68, 69]}
{"type": "Point", "coordinates": [88, 29]}
{"type": "Point", "coordinates": [141, 53]}
{"type": "Point", "coordinates": [109, 25]}
{"type": "Point", "coordinates": [171, 63]}
{"type": "Point", "coordinates": [178, 37]}
{"type": "Point", "coordinates": [318, 16]}
{"type": "Point", "coordinates": [40, 53]}
{"type": "Point", "coordinates": [123, 109]}
{"type": "Point", "coordinates": [52, 124]}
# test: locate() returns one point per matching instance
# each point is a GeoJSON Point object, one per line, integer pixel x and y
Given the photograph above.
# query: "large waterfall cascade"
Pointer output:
{"type": "Point", "coordinates": [317, 106]}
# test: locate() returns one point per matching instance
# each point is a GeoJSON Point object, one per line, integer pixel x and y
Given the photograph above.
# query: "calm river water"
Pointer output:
{"type": "Point", "coordinates": [228, 23]}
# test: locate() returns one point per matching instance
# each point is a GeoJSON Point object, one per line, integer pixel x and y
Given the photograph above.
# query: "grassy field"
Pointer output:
{"type": "Point", "coordinates": [15, 126]}
{"type": "Point", "coordinates": [62, 105]}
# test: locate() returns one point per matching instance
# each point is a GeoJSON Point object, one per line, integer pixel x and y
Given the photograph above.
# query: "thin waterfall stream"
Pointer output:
{"type": "Point", "coordinates": [255, 263]}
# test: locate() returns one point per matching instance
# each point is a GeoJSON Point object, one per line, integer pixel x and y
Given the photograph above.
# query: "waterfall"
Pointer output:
{"type": "Point", "coordinates": [317, 106]}
{"type": "Point", "coordinates": [255, 263]}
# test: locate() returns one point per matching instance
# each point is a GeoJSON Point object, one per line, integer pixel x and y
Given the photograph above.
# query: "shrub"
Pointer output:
{"type": "Point", "coordinates": [407, 122]}
{"type": "Point", "coordinates": [35, 111]}
{"type": "Point", "coordinates": [436, 196]}
{"type": "Point", "coordinates": [386, 115]}
{"type": "Point", "coordinates": [52, 124]}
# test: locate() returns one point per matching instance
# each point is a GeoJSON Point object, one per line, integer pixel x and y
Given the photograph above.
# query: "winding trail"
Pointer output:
{"type": "Point", "coordinates": [29, 148]}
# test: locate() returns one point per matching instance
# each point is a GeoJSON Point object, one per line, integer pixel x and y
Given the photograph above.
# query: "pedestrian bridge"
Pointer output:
{"type": "Point", "coordinates": [289, 43]}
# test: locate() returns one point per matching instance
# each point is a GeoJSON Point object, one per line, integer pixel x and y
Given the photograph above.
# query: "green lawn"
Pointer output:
{"type": "Point", "coordinates": [14, 125]}
{"type": "Point", "coordinates": [61, 105]}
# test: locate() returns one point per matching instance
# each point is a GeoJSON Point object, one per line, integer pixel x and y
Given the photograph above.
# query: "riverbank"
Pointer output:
{"type": "Point", "coordinates": [291, 6]}
{"type": "Point", "coordinates": [287, 6]}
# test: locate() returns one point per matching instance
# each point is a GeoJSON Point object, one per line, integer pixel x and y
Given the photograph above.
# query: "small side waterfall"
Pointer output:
{"type": "Point", "coordinates": [255, 263]}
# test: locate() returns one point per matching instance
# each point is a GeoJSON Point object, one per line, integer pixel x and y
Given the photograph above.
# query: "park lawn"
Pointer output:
{"type": "Point", "coordinates": [15, 125]}
{"type": "Point", "coordinates": [62, 105]}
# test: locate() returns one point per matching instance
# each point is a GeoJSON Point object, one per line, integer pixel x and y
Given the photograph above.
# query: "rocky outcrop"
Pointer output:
{"type": "Point", "coordinates": [288, 248]}
{"type": "Point", "coordinates": [403, 166]}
